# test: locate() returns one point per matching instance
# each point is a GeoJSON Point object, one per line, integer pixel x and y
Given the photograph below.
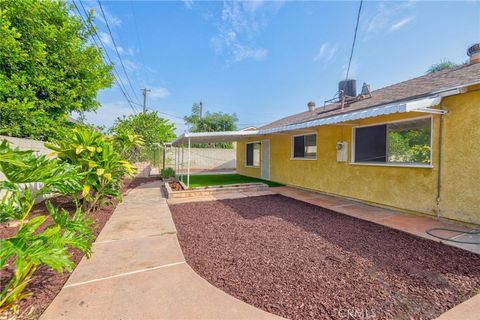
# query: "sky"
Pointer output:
{"type": "Point", "coordinates": [264, 60]}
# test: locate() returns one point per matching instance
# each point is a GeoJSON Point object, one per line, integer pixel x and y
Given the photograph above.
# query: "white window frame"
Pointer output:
{"type": "Point", "coordinates": [259, 154]}
{"type": "Point", "coordinates": [394, 164]}
{"type": "Point", "coordinates": [292, 139]}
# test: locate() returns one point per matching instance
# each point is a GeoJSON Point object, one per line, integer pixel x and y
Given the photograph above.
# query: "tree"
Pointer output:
{"type": "Point", "coordinates": [48, 68]}
{"type": "Point", "coordinates": [443, 65]}
{"type": "Point", "coordinates": [152, 128]}
{"type": "Point", "coordinates": [211, 122]}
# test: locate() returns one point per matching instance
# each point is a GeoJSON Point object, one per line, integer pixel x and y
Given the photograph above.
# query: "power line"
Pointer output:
{"type": "Point", "coordinates": [116, 49]}
{"type": "Point", "coordinates": [138, 38]}
{"type": "Point", "coordinates": [354, 39]}
{"type": "Point", "coordinates": [107, 56]}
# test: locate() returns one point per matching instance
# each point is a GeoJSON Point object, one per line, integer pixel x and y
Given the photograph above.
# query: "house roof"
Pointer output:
{"type": "Point", "coordinates": [416, 88]}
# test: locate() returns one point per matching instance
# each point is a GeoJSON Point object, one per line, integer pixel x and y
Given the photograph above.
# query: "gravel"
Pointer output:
{"type": "Point", "coordinates": [301, 261]}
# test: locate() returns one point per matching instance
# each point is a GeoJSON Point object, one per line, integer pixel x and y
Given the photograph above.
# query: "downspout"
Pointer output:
{"type": "Point", "coordinates": [439, 175]}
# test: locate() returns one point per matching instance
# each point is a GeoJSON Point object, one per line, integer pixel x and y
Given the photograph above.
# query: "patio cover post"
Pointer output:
{"type": "Point", "coordinates": [181, 161]}
{"type": "Point", "coordinates": [188, 164]}
{"type": "Point", "coordinates": [176, 161]}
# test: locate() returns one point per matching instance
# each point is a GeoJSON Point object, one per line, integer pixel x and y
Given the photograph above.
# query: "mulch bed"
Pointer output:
{"type": "Point", "coordinates": [301, 261]}
{"type": "Point", "coordinates": [175, 185]}
{"type": "Point", "coordinates": [46, 283]}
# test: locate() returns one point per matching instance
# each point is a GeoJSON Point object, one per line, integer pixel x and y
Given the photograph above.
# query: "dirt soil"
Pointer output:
{"type": "Point", "coordinates": [46, 283]}
{"type": "Point", "coordinates": [301, 261]}
{"type": "Point", "coordinates": [175, 185]}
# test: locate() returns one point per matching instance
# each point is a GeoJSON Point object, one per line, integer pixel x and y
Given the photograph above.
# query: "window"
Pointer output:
{"type": "Point", "coordinates": [304, 147]}
{"type": "Point", "coordinates": [402, 142]}
{"type": "Point", "coordinates": [253, 154]}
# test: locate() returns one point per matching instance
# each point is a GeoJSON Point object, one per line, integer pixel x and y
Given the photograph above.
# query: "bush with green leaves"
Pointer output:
{"type": "Point", "coordinates": [168, 173]}
{"type": "Point", "coordinates": [35, 244]}
{"type": "Point", "coordinates": [102, 165]}
{"type": "Point", "coordinates": [48, 67]}
{"type": "Point", "coordinates": [150, 126]}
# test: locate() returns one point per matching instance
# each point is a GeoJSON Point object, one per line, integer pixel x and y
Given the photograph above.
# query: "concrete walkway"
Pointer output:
{"type": "Point", "coordinates": [137, 271]}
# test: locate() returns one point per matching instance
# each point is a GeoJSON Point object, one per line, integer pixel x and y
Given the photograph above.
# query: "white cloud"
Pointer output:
{"type": "Point", "coordinates": [240, 24]}
{"type": "Point", "coordinates": [159, 93]}
{"type": "Point", "coordinates": [326, 52]}
{"type": "Point", "coordinates": [188, 4]}
{"type": "Point", "coordinates": [400, 24]}
{"type": "Point", "coordinates": [388, 14]}
{"type": "Point", "coordinates": [113, 20]}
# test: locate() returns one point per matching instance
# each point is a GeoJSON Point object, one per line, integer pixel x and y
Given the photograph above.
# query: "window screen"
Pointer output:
{"type": "Point", "coordinates": [305, 146]}
{"type": "Point", "coordinates": [253, 154]}
{"type": "Point", "coordinates": [371, 144]}
{"type": "Point", "coordinates": [398, 142]}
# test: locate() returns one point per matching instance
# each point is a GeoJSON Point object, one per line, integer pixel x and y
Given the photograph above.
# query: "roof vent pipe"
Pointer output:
{"type": "Point", "coordinates": [474, 53]}
{"type": "Point", "coordinates": [311, 106]}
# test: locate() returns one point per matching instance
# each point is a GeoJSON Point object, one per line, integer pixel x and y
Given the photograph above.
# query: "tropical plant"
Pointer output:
{"type": "Point", "coordinates": [34, 244]}
{"type": "Point", "coordinates": [152, 128]}
{"type": "Point", "coordinates": [102, 165]}
{"type": "Point", "coordinates": [48, 67]}
{"type": "Point", "coordinates": [128, 144]}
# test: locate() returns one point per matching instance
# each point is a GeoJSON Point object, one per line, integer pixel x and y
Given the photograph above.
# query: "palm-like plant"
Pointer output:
{"type": "Point", "coordinates": [32, 246]}
{"type": "Point", "coordinates": [103, 167]}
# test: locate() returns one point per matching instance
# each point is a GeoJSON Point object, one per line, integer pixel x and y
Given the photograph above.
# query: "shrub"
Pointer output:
{"type": "Point", "coordinates": [32, 245]}
{"type": "Point", "coordinates": [103, 167]}
{"type": "Point", "coordinates": [168, 173]}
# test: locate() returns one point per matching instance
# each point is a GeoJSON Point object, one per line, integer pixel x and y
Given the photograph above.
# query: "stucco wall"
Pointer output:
{"type": "Point", "coordinates": [406, 188]}
{"type": "Point", "coordinates": [460, 191]}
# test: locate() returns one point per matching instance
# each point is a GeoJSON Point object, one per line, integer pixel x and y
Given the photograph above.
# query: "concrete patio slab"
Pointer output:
{"type": "Point", "coordinates": [172, 292]}
{"type": "Point", "coordinates": [116, 257]}
{"type": "Point", "coordinates": [468, 310]}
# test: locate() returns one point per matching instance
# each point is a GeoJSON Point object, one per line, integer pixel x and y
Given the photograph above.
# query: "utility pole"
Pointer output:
{"type": "Point", "coordinates": [145, 90]}
{"type": "Point", "coordinates": [201, 109]}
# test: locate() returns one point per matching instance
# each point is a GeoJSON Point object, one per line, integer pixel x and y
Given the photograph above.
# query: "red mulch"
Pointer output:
{"type": "Point", "coordinates": [301, 261]}
{"type": "Point", "coordinates": [46, 283]}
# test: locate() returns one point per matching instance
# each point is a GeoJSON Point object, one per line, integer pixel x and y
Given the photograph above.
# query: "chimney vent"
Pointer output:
{"type": "Point", "coordinates": [348, 87]}
{"type": "Point", "coordinates": [474, 53]}
{"type": "Point", "coordinates": [311, 106]}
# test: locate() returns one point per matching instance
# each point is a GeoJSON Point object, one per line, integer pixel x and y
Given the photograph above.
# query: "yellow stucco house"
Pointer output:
{"type": "Point", "coordinates": [411, 146]}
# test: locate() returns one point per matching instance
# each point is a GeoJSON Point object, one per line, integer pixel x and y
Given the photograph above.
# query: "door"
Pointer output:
{"type": "Point", "coordinates": [265, 160]}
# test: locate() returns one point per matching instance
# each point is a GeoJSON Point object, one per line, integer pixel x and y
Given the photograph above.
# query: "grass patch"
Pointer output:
{"type": "Point", "coordinates": [223, 179]}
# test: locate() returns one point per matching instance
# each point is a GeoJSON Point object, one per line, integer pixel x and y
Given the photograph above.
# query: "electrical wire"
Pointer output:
{"type": "Point", "coordinates": [106, 55]}
{"type": "Point", "coordinates": [116, 49]}
{"type": "Point", "coordinates": [432, 233]}
{"type": "Point", "coordinates": [354, 39]}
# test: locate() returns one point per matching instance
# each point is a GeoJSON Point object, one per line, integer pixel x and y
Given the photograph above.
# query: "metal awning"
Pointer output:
{"type": "Point", "coordinates": [419, 105]}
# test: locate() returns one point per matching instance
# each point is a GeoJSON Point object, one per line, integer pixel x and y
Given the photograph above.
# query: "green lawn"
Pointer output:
{"type": "Point", "coordinates": [222, 179]}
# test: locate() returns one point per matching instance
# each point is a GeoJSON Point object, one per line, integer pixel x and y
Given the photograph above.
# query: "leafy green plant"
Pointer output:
{"type": "Point", "coordinates": [128, 144]}
{"type": "Point", "coordinates": [168, 173]}
{"type": "Point", "coordinates": [37, 241]}
{"type": "Point", "coordinates": [48, 68]}
{"type": "Point", "coordinates": [102, 165]}
{"type": "Point", "coordinates": [150, 126]}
